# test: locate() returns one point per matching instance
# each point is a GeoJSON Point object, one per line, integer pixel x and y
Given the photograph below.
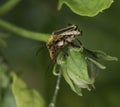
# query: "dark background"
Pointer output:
{"type": "Point", "coordinates": [101, 32]}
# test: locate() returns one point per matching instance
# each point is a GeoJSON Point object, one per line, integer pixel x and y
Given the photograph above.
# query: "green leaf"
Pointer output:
{"type": "Point", "coordinates": [4, 79]}
{"type": "Point", "coordinates": [102, 55]}
{"type": "Point", "coordinates": [76, 63]}
{"type": "Point", "coordinates": [24, 96]}
{"type": "Point", "coordinates": [86, 7]}
{"type": "Point", "coordinates": [75, 71]}
{"type": "Point", "coordinates": [96, 63]}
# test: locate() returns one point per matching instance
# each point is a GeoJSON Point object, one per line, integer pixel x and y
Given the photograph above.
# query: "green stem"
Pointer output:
{"type": "Point", "coordinates": [22, 32]}
{"type": "Point", "coordinates": [10, 4]}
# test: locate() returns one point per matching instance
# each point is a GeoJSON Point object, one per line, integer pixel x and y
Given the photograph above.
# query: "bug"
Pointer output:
{"type": "Point", "coordinates": [61, 38]}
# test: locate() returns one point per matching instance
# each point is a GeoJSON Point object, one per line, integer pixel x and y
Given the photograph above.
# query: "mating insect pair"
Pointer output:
{"type": "Point", "coordinates": [61, 38]}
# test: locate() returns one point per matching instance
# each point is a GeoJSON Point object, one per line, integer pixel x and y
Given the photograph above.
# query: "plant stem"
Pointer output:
{"type": "Point", "coordinates": [52, 103]}
{"type": "Point", "coordinates": [23, 32]}
{"type": "Point", "coordinates": [6, 7]}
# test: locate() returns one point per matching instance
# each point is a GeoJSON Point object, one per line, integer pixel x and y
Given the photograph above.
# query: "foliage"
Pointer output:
{"type": "Point", "coordinates": [30, 97]}
{"type": "Point", "coordinates": [79, 70]}
{"type": "Point", "coordinates": [23, 32]}
{"type": "Point", "coordinates": [9, 5]}
{"type": "Point", "coordinates": [17, 61]}
{"type": "Point", "coordinates": [86, 7]}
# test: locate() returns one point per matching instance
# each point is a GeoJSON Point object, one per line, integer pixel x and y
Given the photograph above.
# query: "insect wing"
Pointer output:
{"type": "Point", "coordinates": [69, 28]}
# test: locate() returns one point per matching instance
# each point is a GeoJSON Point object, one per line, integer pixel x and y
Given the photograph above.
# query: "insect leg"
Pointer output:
{"type": "Point", "coordinates": [79, 41]}
{"type": "Point", "coordinates": [72, 44]}
{"type": "Point", "coordinates": [87, 50]}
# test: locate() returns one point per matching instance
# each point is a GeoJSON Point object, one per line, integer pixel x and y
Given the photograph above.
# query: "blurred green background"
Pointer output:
{"type": "Point", "coordinates": [101, 32]}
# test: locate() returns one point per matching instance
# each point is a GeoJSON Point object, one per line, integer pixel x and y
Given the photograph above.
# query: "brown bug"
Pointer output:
{"type": "Point", "coordinates": [61, 38]}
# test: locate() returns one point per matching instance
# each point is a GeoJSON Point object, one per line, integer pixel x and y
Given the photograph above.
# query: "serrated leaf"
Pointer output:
{"type": "Point", "coordinates": [24, 96]}
{"type": "Point", "coordinates": [86, 7]}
